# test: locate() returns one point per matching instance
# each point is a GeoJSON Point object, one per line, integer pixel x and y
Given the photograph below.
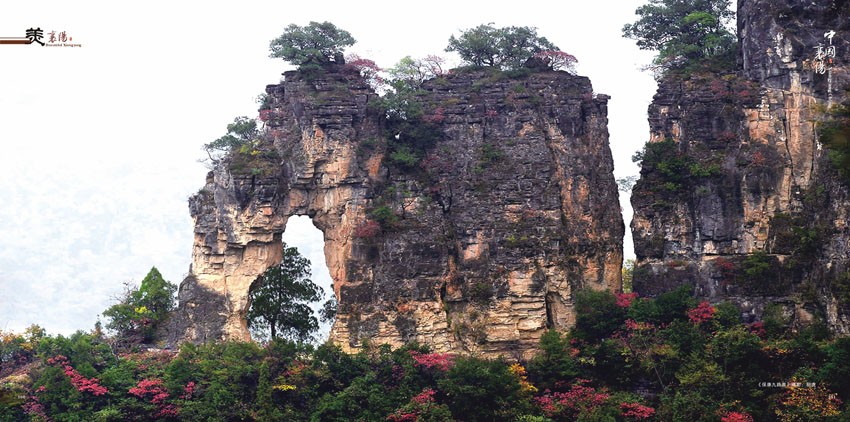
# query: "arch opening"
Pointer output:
{"type": "Point", "coordinates": [300, 232]}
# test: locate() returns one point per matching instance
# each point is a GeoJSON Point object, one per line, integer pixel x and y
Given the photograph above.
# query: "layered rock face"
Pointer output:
{"type": "Point", "coordinates": [741, 201]}
{"type": "Point", "coordinates": [478, 246]}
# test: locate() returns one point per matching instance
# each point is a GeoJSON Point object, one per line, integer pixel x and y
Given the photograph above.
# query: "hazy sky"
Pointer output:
{"type": "Point", "coordinates": [100, 143]}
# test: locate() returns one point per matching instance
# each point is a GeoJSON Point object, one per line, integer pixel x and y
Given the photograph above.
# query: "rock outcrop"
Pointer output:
{"type": "Point", "coordinates": [741, 200]}
{"type": "Point", "coordinates": [475, 247]}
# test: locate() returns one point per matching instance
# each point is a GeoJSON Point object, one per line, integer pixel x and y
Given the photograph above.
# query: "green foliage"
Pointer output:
{"type": "Point", "coordinates": [834, 133]}
{"type": "Point", "coordinates": [504, 48]}
{"type": "Point", "coordinates": [673, 169]}
{"type": "Point", "coordinates": [311, 47]}
{"type": "Point", "coordinates": [141, 310]}
{"type": "Point", "coordinates": [280, 299]}
{"type": "Point", "coordinates": [482, 390]}
{"type": "Point", "coordinates": [598, 315]}
{"type": "Point", "coordinates": [385, 216]}
{"type": "Point", "coordinates": [683, 31]}
{"type": "Point", "coordinates": [667, 307]}
{"type": "Point", "coordinates": [243, 131]}
{"type": "Point", "coordinates": [688, 371]}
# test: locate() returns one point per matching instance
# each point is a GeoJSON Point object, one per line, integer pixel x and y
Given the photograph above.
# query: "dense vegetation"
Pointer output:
{"type": "Point", "coordinates": [627, 359]}
{"type": "Point", "coordinates": [687, 34]}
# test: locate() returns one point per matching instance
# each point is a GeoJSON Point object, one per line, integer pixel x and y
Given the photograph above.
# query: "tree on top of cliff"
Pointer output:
{"type": "Point", "coordinates": [280, 299]}
{"type": "Point", "coordinates": [505, 48]}
{"type": "Point", "coordinates": [683, 31]}
{"type": "Point", "coordinates": [312, 46]}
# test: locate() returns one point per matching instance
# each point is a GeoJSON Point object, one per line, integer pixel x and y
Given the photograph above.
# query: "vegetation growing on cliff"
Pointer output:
{"type": "Point", "coordinates": [685, 33]}
{"type": "Point", "coordinates": [835, 135]}
{"type": "Point", "coordinates": [628, 359]}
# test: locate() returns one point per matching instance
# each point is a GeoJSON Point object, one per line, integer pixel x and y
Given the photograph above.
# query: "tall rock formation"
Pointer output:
{"type": "Point", "coordinates": [741, 200]}
{"type": "Point", "coordinates": [477, 246]}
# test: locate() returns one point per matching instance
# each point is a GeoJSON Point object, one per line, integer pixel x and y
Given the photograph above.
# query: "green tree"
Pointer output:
{"type": "Point", "coordinates": [243, 131]}
{"type": "Point", "coordinates": [279, 299]}
{"type": "Point", "coordinates": [140, 310]}
{"type": "Point", "coordinates": [504, 48]}
{"type": "Point", "coordinates": [683, 31]}
{"type": "Point", "coordinates": [312, 46]}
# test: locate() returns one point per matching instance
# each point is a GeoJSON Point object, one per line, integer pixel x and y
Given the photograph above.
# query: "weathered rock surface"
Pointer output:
{"type": "Point", "coordinates": [512, 209]}
{"type": "Point", "coordinates": [760, 216]}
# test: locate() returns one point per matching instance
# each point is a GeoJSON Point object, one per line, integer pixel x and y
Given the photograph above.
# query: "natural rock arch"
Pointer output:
{"type": "Point", "coordinates": [486, 253]}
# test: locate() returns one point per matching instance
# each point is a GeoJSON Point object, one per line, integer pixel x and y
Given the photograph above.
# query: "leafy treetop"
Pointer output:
{"type": "Point", "coordinates": [683, 30]}
{"type": "Point", "coordinates": [242, 131]}
{"type": "Point", "coordinates": [504, 48]}
{"type": "Point", "coordinates": [140, 310]}
{"type": "Point", "coordinates": [311, 46]}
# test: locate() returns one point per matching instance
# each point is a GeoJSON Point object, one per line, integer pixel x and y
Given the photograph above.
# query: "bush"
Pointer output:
{"type": "Point", "coordinates": [141, 310]}
{"type": "Point", "coordinates": [597, 315]}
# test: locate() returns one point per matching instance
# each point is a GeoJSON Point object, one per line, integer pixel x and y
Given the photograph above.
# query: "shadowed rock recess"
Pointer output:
{"type": "Point", "coordinates": [742, 201]}
{"type": "Point", "coordinates": [477, 247]}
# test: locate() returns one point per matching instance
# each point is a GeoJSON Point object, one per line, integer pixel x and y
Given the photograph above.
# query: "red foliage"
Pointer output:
{"type": "Point", "coordinates": [737, 417]}
{"type": "Point", "coordinates": [434, 65]}
{"type": "Point", "coordinates": [636, 410]}
{"type": "Point", "coordinates": [365, 68]}
{"type": "Point", "coordinates": [152, 388]}
{"type": "Point", "coordinates": [403, 417]}
{"type": "Point", "coordinates": [559, 60]}
{"type": "Point", "coordinates": [757, 328]}
{"type": "Point", "coordinates": [578, 399]}
{"type": "Point", "coordinates": [441, 361]}
{"type": "Point", "coordinates": [81, 383]}
{"type": "Point", "coordinates": [727, 269]}
{"type": "Point", "coordinates": [35, 409]}
{"type": "Point", "coordinates": [167, 411]}
{"type": "Point", "coordinates": [624, 300]}
{"type": "Point", "coordinates": [188, 391]}
{"type": "Point", "coordinates": [426, 396]}
{"type": "Point", "coordinates": [701, 313]}
{"type": "Point", "coordinates": [265, 115]}
{"type": "Point", "coordinates": [368, 230]}
{"type": "Point", "coordinates": [492, 113]}
{"type": "Point", "coordinates": [758, 159]}
{"type": "Point", "coordinates": [435, 118]}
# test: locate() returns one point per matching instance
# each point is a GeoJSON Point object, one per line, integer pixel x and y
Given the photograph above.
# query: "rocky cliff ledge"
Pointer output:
{"type": "Point", "coordinates": [478, 246]}
{"type": "Point", "coordinates": [737, 195]}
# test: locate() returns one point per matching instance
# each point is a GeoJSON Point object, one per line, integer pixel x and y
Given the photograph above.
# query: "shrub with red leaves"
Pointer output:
{"type": "Point", "coordinates": [366, 68]}
{"type": "Point", "coordinates": [580, 399]}
{"type": "Point", "coordinates": [701, 313]}
{"type": "Point", "coordinates": [81, 383]}
{"type": "Point", "coordinates": [636, 410]}
{"type": "Point", "coordinates": [441, 361]}
{"type": "Point", "coordinates": [737, 417]}
{"type": "Point", "coordinates": [368, 230]}
{"type": "Point", "coordinates": [624, 300]}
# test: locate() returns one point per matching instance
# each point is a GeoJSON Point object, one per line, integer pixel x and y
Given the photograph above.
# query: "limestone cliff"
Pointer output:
{"type": "Point", "coordinates": [481, 242]}
{"type": "Point", "coordinates": [741, 201]}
